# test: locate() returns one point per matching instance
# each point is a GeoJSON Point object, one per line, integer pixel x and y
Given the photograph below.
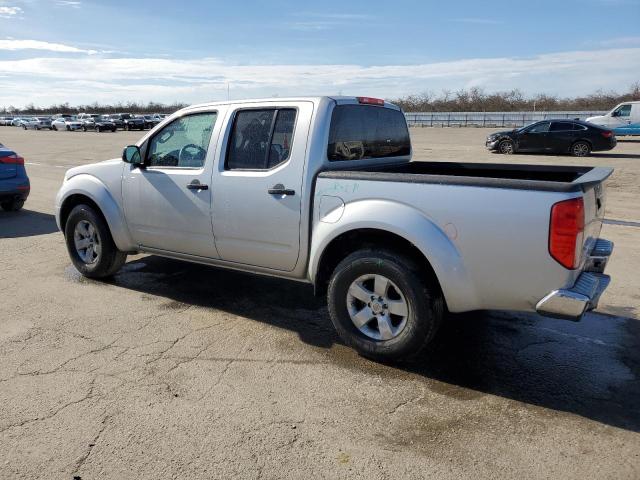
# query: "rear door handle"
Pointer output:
{"type": "Point", "coordinates": [195, 185]}
{"type": "Point", "coordinates": [280, 190]}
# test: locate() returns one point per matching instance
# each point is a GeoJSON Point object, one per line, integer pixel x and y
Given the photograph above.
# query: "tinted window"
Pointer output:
{"type": "Point", "coordinates": [623, 111]}
{"type": "Point", "coordinates": [182, 143]}
{"type": "Point", "coordinates": [364, 131]}
{"type": "Point", "coordinates": [539, 128]}
{"type": "Point", "coordinates": [561, 126]}
{"type": "Point", "coordinates": [577, 126]}
{"type": "Point", "coordinates": [260, 139]}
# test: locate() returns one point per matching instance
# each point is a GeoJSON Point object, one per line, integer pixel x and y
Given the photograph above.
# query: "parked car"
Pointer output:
{"type": "Point", "coordinates": [98, 123]}
{"type": "Point", "coordinates": [322, 190]}
{"type": "Point", "coordinates": [18, 121]}
{"type": "Point", "coordinates": [624, 119]}
{"type": "Point", "coordinates": [66, 123]}
{"type": "Point", "coordinates": [14, 182]}
{"type": "Point", "coordinates": [129, 122]}
{"type": "Point", "coordinates": [4, 121]}
{"type": "Point", "coordinates": [575, 137]}
{"type": "Point", "coordinates": [37, 123]}
{"type": "Point", "coordinates": [150, 121]}
{"type": "Point", "coordinates": [115, 119]}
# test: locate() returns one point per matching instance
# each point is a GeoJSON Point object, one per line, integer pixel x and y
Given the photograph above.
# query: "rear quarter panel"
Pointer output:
{"type": "Point", "coordinates": [488, 246]}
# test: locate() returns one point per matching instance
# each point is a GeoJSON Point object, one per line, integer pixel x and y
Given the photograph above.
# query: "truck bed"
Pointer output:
{"type": "Point", "coordinates": [497, 175]}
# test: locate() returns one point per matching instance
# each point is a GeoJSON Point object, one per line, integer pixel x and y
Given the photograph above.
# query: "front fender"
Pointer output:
{"type": "Point", "coordinates": [412, 225]}
{"type": "Point", "coordinates": [91, 187]}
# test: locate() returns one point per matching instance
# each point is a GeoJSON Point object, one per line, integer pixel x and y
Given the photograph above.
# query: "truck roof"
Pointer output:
{"type": "Point", "coordinates": [315, 99]}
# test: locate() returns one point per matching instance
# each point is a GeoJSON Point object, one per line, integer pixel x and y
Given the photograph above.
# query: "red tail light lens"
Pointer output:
{"type": "Point", "coordinates": [370, 101]}
{"type": "Point", "coordinates": [607, 134]}
{"type": "Point", "coordinates": [566, 232]}
{"type": "Point", "coordinates": [12, 160]}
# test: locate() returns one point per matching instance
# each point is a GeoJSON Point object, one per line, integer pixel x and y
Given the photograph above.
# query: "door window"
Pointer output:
{"type": "Point", "coordinates": [183, 143]}
{"type": "Point", "coordinates": [561, 127]}
{"type": "Point", "coordinates": [260, 139]}
{"type": "Point", "coordinates": [541, 127]}
{"type": "Point", "coordinates": [622, 111]}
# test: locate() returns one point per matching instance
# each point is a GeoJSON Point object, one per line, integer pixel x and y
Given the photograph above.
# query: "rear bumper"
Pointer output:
{"type": "Point", "coordinates": [572, 303]}
{"type": "Point", "coordinates": [20, 193]}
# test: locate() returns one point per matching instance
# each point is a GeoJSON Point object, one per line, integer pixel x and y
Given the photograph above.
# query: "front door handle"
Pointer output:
{"type": "Point", "coordinates": [280, 190]}
{"type": "Point", "coordinates": [196, 185]}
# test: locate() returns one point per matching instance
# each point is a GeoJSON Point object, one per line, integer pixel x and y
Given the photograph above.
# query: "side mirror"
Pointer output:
{"type": "Point", "coordinates": [131, 154]}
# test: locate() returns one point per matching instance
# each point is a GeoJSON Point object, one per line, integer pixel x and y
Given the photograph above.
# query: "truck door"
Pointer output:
{"type": "Point", "coordinates": [621, 116]}
{"type": "Point", "coordinates": [258, 187]}
{"type": "Point", "coordinates": [167, 201]}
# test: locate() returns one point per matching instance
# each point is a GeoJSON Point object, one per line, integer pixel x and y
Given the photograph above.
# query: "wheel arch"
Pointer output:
{"type": "Point", "coordinates": [87, 189]}
{"type": "Point", "coordinates": [411, 234]}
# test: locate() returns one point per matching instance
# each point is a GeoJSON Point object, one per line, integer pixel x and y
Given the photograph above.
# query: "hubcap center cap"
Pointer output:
{"type": "Point", "coordinates": [376, 307]}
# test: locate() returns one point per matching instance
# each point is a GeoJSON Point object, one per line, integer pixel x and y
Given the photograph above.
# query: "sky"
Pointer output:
{"type": "Point", "coordinates": [85, 51]}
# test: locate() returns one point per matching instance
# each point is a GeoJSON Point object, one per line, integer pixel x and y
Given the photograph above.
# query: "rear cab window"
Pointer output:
{"type": "Point", "coordinates": [360, 132]}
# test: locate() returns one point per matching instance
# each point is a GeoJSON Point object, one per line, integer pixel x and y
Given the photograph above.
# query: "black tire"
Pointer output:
{"type": "Point", "coordinates": [113, 130]}
{"type": "Point", "coordinates": [425, 304]}
{"type": "Point", "coordinates": [24, 126]}
{"type": "Point", "coordinates": [506, 147]}
{"type": "Point", "coordinates": [68, 128]}
{"type": "Point", "coordinates": [580, 149]}
{"type": "Point", "coordinates": [84, 129]}
{"type": "Point", "coordinates": [110, 259]}
{"type": "Point", "coordinates": [12, 206]}
{"type": "Point", "coordinates": [54, 128]}
{"type": "Point", "coordinates": [128, 128]}
{"type": "Point", "coordinates": [98, 130]}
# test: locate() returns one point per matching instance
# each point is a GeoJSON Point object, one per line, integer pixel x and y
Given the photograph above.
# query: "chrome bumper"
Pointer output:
{"type": "Point", "coordinates": [572, 303]}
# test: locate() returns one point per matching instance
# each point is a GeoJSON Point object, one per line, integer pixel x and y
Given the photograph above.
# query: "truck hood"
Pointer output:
{"type": "Point", "coordinates": [596, 119]}
{"type": "Point", "coordinates": [99, 170]}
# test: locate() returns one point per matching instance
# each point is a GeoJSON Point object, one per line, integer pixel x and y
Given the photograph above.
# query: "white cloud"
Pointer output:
{"type": "Point", "coordinates": [80, 79]}
{"type": "Point", "coordinates": [15, 45]}
{"type": "Point", "coordinates": [9, 12]}
{"type": "Point", "coordinates": [69, 3]}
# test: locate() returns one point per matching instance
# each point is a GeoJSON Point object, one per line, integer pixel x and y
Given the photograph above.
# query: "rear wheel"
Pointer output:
{"type": "Point", "coordinates": [381, 305]}
{"type": "Point", "coordinates": [506, 147]}
{"type": "Point", "coordinates": [54, 128]}
{"type": "Point", "coordinates": [90, 244]}
{"type": "Point", "coordinates": [12, 206]}
{"type": "Point", "coordinates": [580, 149]}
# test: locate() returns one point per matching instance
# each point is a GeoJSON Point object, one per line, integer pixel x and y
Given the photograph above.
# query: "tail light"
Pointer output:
{"type": "Point", "coordinates": [607, 134]}
{"type": "Point", "coordinates": [370, 101]}
{"type": "Point", "coordinates": [566, 232]}
{"type": "Point", "coordinates": [12, 160]}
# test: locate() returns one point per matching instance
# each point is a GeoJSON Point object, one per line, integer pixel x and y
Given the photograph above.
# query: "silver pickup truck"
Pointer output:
{"type": "Point", "coordinates": [323, 190]}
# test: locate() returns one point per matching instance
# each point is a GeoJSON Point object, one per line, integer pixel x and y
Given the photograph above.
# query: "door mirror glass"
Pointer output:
{"type": "Point", "coordinates": [131, 154]}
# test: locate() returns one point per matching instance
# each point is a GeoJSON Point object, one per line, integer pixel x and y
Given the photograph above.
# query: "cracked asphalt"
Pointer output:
{"type": "Point", "coordinates": [173, 370]}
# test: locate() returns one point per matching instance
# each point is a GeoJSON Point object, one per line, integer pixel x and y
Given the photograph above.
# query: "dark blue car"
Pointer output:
{"type": "Point", "coordinates": [14, 183]}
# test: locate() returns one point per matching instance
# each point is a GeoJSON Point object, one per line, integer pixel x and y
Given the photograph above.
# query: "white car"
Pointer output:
{"type": "Point", "coordinates": [64, 123]}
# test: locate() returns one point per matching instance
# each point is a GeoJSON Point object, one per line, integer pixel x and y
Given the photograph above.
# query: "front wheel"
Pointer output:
{"type": "Point", "coordinates": [506, 147]}
{"type": "Point", "coordinates": [54, 128]}
{"type": "Point", "coordinates": [382, 306]}
{"type": "Point", "coordinates": [90, 244]}
{"type": "Point", "coordinates": [580, 149]}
